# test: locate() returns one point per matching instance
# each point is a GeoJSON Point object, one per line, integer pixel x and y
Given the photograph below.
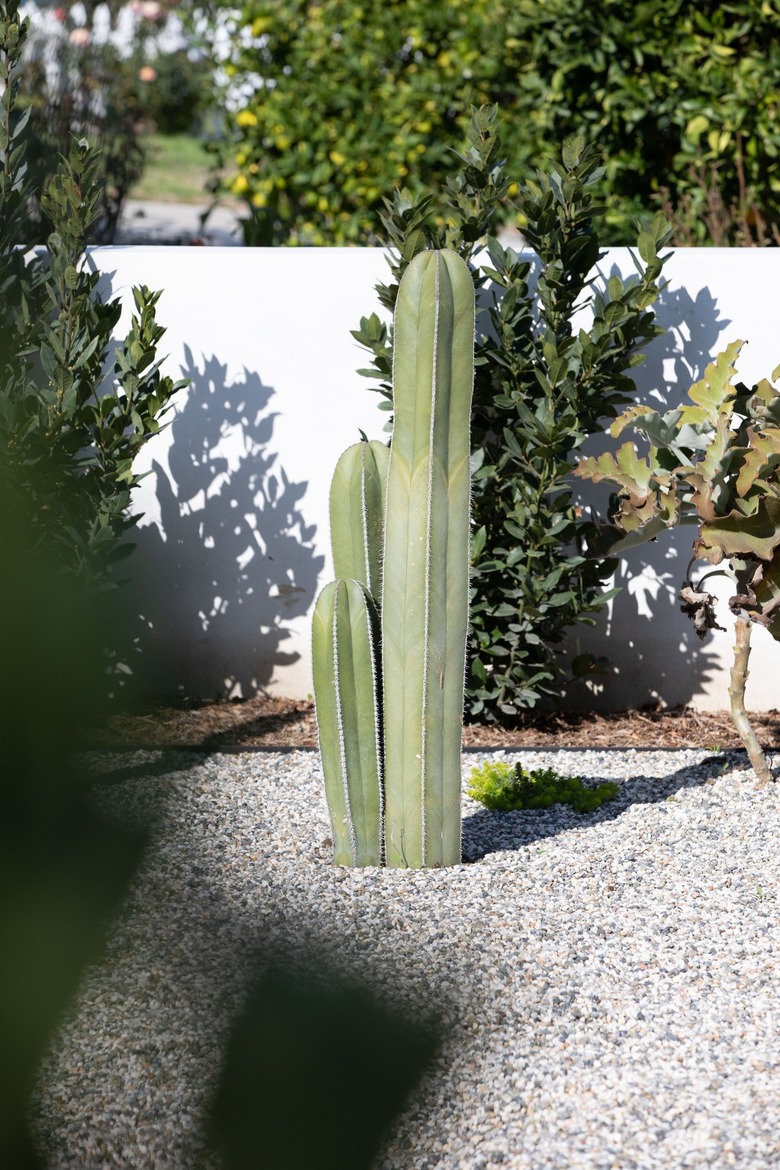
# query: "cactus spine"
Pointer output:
{"type": "Point", "coordinates": [393, 782]}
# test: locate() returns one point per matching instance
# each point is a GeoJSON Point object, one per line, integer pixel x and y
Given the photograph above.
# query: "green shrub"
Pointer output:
{"type": "Point", "coordinates": [338, 101]}
{"type": "Point", "coordinates": [507, 788]}
{"type": "Point", "coordinates": [87, 89]}
{"type": "Point", "coordinates": [682, 100]}
{"type": "Point", "coordinates": [70, 426]}
{"type": "Point", "coordinates": [540, 387]}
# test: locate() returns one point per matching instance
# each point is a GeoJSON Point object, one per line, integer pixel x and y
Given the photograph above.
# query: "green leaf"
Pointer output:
{"type": "Point", "coordinates": [711, 395]}
{"type": "Point", "coordinates": [761, 459]}
{"type": "Point", "coordinates": [478, 543]}
{"type": "Point", "coordinates": [625, 468]}
{"type": "Point", "coordinates": [696, 127]}
{"type": "Point", "coordinates": [739, 535]}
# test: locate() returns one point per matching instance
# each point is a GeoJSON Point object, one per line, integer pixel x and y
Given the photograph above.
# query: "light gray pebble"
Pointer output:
{"type": "Point", "coordinates": [608, 982]}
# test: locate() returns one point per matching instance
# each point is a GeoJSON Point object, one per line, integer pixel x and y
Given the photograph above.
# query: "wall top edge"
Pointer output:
{"type": "Point", "coordinates": [747, 256]}
{"type": "Point", "coordinates": [228, 250]}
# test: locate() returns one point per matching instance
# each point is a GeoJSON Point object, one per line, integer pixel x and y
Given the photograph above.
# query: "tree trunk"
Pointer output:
{"type": "Point", "coordinates": [739, 675]}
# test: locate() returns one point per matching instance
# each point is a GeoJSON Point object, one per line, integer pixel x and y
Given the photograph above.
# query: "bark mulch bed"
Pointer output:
{"type": "Point", "coordinates": [266, 722]}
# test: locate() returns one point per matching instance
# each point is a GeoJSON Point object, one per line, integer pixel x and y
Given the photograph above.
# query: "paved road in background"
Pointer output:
{"type": "Point", "coordinates": [147, 222]}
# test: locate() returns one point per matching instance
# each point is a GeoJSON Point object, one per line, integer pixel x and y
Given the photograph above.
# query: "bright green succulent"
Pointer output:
{"type": "Point", "coordinates": [509, 787]}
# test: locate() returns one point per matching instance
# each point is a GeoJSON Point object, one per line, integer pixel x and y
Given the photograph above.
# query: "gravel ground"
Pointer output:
{"type": "Point", "coordinates": [608, 981]}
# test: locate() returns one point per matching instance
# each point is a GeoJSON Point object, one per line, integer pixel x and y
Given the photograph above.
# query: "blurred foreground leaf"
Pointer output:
{"type": "Point", "coordinates": [63, 871]}
{"type": "Point", "coordinates": [313, 1077]}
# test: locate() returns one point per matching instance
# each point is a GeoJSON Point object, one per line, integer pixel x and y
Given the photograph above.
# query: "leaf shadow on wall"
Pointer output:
{"type": "Point", "coordinates": [652, 648]}
{"type": "Point", "coordinates": [229, 560]}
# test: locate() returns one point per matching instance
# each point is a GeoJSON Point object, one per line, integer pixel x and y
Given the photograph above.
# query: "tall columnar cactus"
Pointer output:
{"type": "Point", "coordinates": [393, 783]}
{"type": "Point", "coordinates": [426, 563]}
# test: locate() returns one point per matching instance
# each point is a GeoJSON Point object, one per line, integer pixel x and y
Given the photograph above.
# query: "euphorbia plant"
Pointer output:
{"type": "Point", "coordinates": [714, 462]}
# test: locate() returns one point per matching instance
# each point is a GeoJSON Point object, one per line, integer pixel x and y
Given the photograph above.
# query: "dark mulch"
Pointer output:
{"type": "Point", "coordinates": [264, 721]}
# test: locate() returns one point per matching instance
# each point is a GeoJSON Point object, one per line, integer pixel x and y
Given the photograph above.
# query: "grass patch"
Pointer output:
{"type": "Point", "coordinates": [177, 171]}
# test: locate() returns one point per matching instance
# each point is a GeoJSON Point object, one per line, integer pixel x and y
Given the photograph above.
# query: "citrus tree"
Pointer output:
{"type": "Point", "coordinates": [333, 104]}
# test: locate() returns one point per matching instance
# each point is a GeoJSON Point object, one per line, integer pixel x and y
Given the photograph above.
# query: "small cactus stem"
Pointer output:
{"type": "Point", "coordinates": [364, 513]}
{"type": "Point", "coordinates": [346, 680]}
{"type": "Point", "coordinates": [357, 505]}
{"type": "Point", "coordinates": [371, 584]}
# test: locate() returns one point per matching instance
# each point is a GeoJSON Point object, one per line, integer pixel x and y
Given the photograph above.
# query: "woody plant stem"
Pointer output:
{"type": "Point", "coordinates": [739, 676]}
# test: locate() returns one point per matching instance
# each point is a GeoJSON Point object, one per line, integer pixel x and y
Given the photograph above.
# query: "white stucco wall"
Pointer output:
{"type": "Point", "coordinates": [233, 546]}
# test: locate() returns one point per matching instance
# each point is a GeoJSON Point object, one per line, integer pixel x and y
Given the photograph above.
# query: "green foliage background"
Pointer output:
{"type": "Point", "coordinates": [541, 385]}
{"type": "Point", "coordinates": [346, 100]}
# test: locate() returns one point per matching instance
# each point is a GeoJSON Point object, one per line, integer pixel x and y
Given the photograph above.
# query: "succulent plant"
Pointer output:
{"type": "Point", "coordinates": [391, 749]}
{"type": "Point", "coordinates": [357, 514]}
{"type": "Point", "coordinates": [714, 462]}
{"type": "Point", "coordinates": [346, 689]}
{"type": "Point", "coordinates": [426, 565]}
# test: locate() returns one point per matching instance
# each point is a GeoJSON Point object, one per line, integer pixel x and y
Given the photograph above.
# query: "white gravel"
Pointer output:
{"type": "Point", "coordinates": [609, 981]}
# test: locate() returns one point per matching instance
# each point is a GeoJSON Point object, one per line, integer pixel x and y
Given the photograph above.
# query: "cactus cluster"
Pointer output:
{"type": "Point", "coordinates": [389, 634]}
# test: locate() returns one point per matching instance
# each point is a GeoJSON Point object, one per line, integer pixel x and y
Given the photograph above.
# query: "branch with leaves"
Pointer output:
{"type": "Point", "coordinates": [713, 463]}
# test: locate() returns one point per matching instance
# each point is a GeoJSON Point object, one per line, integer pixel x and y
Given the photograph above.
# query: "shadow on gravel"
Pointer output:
{"type": "Point", "coordinates": [485, 831]}
{"type": "Point", "coordinates": [166, 764]}
{"type": "Point", "coordinates": [488, 831]}
{"type": "Point", "coordinates": [109, 770]}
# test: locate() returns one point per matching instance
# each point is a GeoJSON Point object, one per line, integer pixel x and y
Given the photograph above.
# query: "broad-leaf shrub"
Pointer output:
{"type": "Point", "coordinates": [72, 417]}
{"type": "Point", "coordinates": [540, 387]}
{"type": "Point", "coordinates": [332, 102]}
{"type": "Point", "coordinates": [713, 463]}
{"type": "Point", "coordinates": [682, 100]}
